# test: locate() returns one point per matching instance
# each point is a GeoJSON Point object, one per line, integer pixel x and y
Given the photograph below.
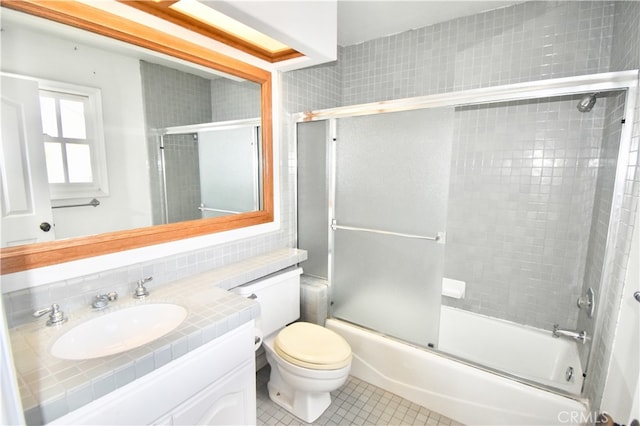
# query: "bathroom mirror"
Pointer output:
{"type": "Point", "coordinates": [170, 55]}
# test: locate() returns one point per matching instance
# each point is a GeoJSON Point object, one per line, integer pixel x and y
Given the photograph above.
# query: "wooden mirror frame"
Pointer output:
{"type": "Point", "coordinates": [79, 15]}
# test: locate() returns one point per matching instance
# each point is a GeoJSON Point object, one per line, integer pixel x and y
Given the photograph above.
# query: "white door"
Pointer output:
{"type": "Point", "coordinates": [24, 190]}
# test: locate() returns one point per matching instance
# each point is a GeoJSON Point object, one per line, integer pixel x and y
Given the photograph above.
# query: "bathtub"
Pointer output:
{"type": "Point", "coordinates": [461, 391]}
{"type": "Point", "coordinates": [523, 351]}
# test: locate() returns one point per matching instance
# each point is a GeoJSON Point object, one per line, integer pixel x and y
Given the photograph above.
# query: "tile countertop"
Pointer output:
{"type": "Point", "coordinates": [52, 387]}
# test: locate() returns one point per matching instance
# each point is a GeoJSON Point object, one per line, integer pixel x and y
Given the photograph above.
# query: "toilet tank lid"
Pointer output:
{"type": "Point", "coordinates": [266, 281]}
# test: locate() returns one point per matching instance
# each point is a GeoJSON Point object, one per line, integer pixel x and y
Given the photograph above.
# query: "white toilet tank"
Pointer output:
{"type": "Point", "coordinates": [279, 298]}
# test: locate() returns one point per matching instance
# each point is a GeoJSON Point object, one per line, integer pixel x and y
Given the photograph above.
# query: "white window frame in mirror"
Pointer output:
{"type": "Point", "coordinates": [165, 239]}
{"type": "Point", "coordinates": [99, 187]}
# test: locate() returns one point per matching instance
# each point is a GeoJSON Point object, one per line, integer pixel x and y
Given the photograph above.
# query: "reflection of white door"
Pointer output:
{"type": "Point", "coordinates": [24, 189]}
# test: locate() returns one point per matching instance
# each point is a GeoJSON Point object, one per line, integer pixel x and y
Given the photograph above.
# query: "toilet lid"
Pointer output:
{"type": "Point", "coordinates": [312, 346]}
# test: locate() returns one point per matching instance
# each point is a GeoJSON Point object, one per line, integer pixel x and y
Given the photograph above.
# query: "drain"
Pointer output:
{"type": "Point", "coordinates": [568, 375]}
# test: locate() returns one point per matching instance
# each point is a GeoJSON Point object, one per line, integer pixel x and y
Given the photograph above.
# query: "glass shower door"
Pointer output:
{"type": "Point", "coordinates": [390, 202]}
{"type": "Point", "coordinates": [229, 173]}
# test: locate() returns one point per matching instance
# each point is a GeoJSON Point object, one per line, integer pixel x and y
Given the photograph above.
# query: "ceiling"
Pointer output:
{"type": "Point", "coordinates": [363, 20]}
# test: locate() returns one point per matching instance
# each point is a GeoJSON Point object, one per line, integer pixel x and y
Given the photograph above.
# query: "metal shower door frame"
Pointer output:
{"type": "Point", "coordinates": [626, 81]}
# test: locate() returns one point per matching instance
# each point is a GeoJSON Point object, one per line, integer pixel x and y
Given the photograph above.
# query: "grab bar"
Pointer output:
{"type": "Point", "coordinates": [440, 237]}
{"type": "Point", "coordinates": [202, 208]}
{"type": "Point", "coordinates": [94, 203]}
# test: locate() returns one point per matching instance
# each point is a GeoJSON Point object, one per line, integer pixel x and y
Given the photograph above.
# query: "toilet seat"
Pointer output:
{"type": "Point", "coordinates": [312, 346]}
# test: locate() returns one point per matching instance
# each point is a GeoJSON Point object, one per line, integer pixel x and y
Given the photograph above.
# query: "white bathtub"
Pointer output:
{"type": "Point", "coordinates": [524, 351]}
{"type": "Point", "coordinates": [467, 394]}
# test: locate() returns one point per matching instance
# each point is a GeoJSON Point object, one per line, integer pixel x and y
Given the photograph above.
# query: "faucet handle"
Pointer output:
{"type": "Point", "coordinates": [101, 301]}
{"type": "Point", "coordinates": [141, 291]}
{"type": "Point", "coordinates": [56, 316]}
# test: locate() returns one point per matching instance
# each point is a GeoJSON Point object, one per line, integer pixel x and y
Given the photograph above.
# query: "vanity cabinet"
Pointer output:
{"type": "Point", "coordinates": [213, 384]}
{"type": "Point", "coordinates": [226, 402]}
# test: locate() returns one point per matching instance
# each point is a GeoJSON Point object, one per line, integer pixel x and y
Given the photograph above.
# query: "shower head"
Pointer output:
{"type": "Point", "coordinates": [587, 102]}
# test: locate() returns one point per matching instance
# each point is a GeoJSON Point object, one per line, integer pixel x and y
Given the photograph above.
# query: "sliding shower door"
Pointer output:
{"type": "Point", "coordinates": [390, 200]}
{"type": "Point", "coordinates": [229, 170]}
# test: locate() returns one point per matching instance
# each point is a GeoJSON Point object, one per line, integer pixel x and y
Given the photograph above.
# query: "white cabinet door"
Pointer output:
{"type": "Point", "coordinates": [216, 381]}
{"type": "Point", "coordinates": [229, 401]}
{"type": "Point", "coordinates": [24, 188]}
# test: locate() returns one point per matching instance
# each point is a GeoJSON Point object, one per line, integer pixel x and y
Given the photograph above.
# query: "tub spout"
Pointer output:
{"type": "Point", "coordinates": [580, 336]}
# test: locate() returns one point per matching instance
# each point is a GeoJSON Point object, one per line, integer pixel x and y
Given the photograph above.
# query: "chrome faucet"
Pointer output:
{"type": "Point", "coordinates": [102, 301]}
{"type": "Point", "coordinates": [580, 336]}
{"type": "Point", "coordinates": [56, 316]}
{"type": "Point", "coordinates": [141, 291]}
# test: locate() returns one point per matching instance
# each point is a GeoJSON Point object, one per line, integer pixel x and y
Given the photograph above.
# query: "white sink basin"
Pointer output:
{"type": "Point", "coordinates": [118, 331]}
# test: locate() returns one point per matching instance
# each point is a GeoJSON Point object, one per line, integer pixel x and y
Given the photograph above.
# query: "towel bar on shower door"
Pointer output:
{"type": "Point", "coordinates": [203, 208]}
{"type": "Point", "coordinates": [439, 238]}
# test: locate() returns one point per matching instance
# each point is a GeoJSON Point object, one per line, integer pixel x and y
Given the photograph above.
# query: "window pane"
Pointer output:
{"type": "Point", "coordinates": [79, 163]}
{"type": "Point", "coordinates": [72, 115]}
{"type": "Point", "coordinates": [55, 166]}
{"type": "Point", "coordinates": [48, 115]}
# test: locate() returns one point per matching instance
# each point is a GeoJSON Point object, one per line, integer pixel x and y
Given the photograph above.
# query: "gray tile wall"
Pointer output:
{"type": "Point", "coordinates": [174, 98]}
{"type": "Point", "coordinates": [313, 88]}
{"type": "Point", "coordinates": [529, 41]}
{"type": "Point", "coordinates": [233, 100]}
{"type": "Point", "coordinates": [523, 178]}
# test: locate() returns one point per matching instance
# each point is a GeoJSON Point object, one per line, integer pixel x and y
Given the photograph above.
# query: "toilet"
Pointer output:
{"type": "Point", "coordinates": [307, 361]}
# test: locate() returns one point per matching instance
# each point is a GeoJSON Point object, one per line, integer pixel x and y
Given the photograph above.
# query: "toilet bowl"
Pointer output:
{"type": "Point", "coordinates": [307, 361]}
{"type": "Point", "coordinates": [300, 381]}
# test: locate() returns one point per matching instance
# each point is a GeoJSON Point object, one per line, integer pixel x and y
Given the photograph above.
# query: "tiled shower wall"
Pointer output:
{"type": "Point", "coordinates": [523, 178]}
{"type": "Point", "coordinates": [529, 41]}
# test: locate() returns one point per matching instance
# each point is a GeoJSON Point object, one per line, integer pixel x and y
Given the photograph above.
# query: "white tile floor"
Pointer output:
{"type": "Point", "coordinates": [355, 403]}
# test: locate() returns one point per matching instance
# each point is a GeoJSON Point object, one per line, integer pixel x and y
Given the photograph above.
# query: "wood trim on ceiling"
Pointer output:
{"type": "Point", "coordinates": [162, 9]}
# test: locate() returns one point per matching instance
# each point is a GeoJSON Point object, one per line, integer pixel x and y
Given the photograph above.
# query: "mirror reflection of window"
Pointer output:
{"type": "Point", "coordinates": [73, 142]}
{"type": "Point", "coordinates": [67, 149]}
